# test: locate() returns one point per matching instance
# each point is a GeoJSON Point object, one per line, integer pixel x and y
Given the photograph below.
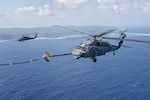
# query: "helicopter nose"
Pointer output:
{"type": "Point", "coordinates": [82, 54]}
{"type": "Point", "coordinates": [76, 53]}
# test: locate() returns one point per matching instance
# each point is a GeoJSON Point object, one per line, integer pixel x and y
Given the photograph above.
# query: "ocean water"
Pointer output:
{"type": "Point", "coordinates": [125, 76]}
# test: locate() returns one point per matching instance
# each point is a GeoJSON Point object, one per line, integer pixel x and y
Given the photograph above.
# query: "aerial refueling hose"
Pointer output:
{"type": "Point", "coordinates": [46, 57]}
{"type": "Point", "coordinates": [22, 62]}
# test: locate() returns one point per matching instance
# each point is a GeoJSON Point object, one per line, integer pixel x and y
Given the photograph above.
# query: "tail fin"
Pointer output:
{"type": "Point", "coordinates": [121, 40]}
{"type": "Point", "coordinates": [36, 35]}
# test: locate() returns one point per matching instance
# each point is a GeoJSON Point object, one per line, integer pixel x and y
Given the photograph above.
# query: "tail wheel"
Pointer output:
{"type": "Point", "coordinates": [94, 59]}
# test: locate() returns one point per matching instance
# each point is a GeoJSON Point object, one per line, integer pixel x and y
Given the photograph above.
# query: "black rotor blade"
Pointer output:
{"type": "Point", "coordinates": [71, 29]}
{"type": "Point", "coordinates": [122, 32]}
{"type": "Point", "coordinates": [28, 35]}
{"type": "Point", "coordinates": [131, 40]}
{"type": "Point", "coordinates": [104, 33]}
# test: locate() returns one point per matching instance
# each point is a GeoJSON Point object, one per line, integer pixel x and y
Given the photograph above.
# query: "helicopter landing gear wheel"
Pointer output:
{"type": "Point", "coordinates": [114, 53]}
{"type": "Point", "coordinates": [77, 57]}
{"type": "Point", "coordinates": [94, 59]}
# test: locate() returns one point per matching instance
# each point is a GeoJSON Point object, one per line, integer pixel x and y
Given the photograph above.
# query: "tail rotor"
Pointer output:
{"type": "Point", "coordinates": [36, 34]}
{"type": "Point", "coordinates": [123, 35]}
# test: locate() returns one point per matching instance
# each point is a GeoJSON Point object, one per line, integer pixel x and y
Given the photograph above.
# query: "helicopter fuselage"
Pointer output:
{"type": "Point", "coordinates": [24, 38]}
{"type": "Point", "coordinates": [92, 48]}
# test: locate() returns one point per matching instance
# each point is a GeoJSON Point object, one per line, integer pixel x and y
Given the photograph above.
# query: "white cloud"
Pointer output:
{"type": "Point", "coordinates": [70, 3]}
{"type": "Point", "coordinates": [2, 15]}
{"type": "Point", "coordinates": [145, 8]}
{"type": "Point", "coordinates": [82, 12]}
{"type": "Point", "coordinates": [113, 6]}
{"type": "Point", "coordinates": [44, 10]}
{"type": "Point", "coordinates": [120, 7]}
{"type": "Point", "coordinates": [116, 8]}
{"type": "Point", "coordinates": [124, 6]}
{"type": "Point", "coordinates": [26, 16]}
{"type": "Point", "coordinates": [32, 11]}
{"type": "Point", "coordinates": [111, 2]}
{"type": "Point", "coordinates": [25, 11]}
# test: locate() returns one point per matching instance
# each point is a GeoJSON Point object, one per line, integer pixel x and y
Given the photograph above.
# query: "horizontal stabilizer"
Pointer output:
{"type": "Point", "coordinates": [126, 46]}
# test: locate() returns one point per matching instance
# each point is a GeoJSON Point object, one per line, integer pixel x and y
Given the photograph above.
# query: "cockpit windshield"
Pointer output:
{"type": "Point", "coordinates": [82, 48]}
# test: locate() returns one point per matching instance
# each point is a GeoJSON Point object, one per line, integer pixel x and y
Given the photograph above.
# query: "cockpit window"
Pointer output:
{"type": "Point", "coordinates": [81, 48]}
{"type": "Point", "coordinates": [78, 47]}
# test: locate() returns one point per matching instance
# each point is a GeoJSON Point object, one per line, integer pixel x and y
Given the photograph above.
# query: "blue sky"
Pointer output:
{"type": "Point", "coordinates": [40, 13]}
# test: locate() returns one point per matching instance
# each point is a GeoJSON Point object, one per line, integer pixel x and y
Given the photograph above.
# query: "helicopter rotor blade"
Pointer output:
{"type": "Point", "coordinates": [122, 32]}
{"type": "Point", "coordinates": [34, 33]}
{"type": "Point", "coordinates": [71, 29]}
{"type": "Point", "coordinates": [131, 40]}
{"type": "Point", "coordinates": [104, 33]}
{"type": "Point", "coordinates": [27, 35]}
{"type": "Point", "coordinates": [92, 35]}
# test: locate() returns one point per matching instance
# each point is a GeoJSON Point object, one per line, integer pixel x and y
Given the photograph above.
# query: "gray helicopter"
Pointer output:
{"type": "Point", "coordinates": [27, 37]}
{"type": "Point", "coordinates": [91, 48]}
{"type": "Point", "coordinates": [94, 47]}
